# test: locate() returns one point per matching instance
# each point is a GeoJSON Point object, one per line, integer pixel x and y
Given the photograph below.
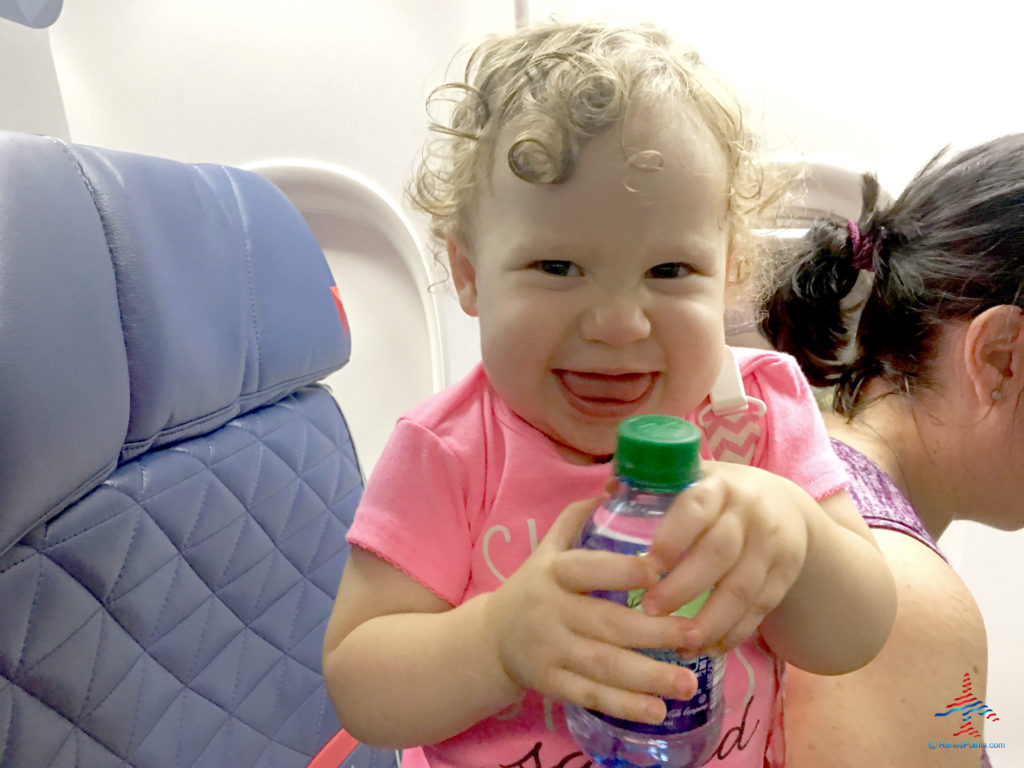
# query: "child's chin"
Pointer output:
{"type": "Point", "coordinates": [588, 451]}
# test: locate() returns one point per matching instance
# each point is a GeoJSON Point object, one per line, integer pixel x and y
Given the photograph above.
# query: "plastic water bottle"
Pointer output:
{"type": "Point", "coordinates": [656, 458]}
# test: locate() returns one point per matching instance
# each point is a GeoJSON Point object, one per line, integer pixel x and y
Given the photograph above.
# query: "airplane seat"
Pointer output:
{"type": "Point", "coordinates": [395, 295]}
{"type": "Point", "coordinates": [175, 487]}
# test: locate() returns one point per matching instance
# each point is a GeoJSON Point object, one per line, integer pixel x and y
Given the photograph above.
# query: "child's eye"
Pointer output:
{"type": "Point", "coordinates": [670, 270]}
{"type": "Point", "coordinates": [559, 267]}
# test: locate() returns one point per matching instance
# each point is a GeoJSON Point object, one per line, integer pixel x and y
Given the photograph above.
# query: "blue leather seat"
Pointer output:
{"type": "Point", "coordinates": [175, 487]}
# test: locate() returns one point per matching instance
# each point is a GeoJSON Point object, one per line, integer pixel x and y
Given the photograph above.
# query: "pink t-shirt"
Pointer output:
{"type": "Point", "coordinates": [464, 491]}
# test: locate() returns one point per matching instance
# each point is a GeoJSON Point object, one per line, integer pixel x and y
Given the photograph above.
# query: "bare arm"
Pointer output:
{"type": "Point", "coordinates": [883, 715]}
{"type": "Point", "coordinates": [845, 592]}
{"type": "Point", "coordinates": [396, 656]}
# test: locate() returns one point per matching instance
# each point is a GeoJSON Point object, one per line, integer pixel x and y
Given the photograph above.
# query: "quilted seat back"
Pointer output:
{"type": "Point", "coordinates": [175, 487]}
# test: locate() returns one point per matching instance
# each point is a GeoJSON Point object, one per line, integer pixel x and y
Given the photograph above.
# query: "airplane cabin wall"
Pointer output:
{"type": "Point", "coordinates": [242, 80]}
{"type": "Point", "coordinates": [30, 99]}
{"type": "Point", "coordinates": [874, 85]}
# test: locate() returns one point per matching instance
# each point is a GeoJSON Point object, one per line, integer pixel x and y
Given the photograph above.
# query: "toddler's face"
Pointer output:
{"type": "Point", "coordinates": [602, 297]}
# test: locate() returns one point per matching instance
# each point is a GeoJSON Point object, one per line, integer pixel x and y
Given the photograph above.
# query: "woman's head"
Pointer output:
{"type": "Point", "coordinates": [949, 249]}
{"type": "Point", "coordinates": [533, 99]}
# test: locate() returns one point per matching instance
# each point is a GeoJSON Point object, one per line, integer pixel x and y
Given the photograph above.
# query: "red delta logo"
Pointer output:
{"type": "Point", "coordinates": [968, 706]}
{"type": "Point", "coordinates": [340, 307]}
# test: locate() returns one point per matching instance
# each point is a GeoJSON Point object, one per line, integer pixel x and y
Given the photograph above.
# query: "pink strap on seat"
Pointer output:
{"type": "Point", "coordinates": [341, 745]}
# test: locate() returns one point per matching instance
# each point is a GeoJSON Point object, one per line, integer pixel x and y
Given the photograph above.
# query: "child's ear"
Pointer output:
{"type": "Point", "coordinates": [994, 352]}
{"type": "Point", "coordinates": [463, 274]}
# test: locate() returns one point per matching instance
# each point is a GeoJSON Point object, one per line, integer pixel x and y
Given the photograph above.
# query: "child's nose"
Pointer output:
{"type": "Point", "coordinates": [616, 321]}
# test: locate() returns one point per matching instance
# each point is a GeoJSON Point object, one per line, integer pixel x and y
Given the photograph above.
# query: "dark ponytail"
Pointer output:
{"type": "Point", "coordinates": [804, 313]}
{"type": "Point", "coordinates": [949, 248]}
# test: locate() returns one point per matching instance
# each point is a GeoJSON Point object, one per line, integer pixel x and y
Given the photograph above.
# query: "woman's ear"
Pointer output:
{"type": "Point", "coordinates": [463, 274]}
{"type": "Point", "coordinates": [994, 352]}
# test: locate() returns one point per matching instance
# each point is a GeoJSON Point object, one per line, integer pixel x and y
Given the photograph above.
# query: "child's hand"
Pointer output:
{"type": "Point", "coordinates": [740, 530]}
{"type": "Point", "coordinates": [553, 637]}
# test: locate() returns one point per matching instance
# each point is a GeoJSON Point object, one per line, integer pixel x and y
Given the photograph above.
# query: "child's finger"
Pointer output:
{"type": "Point", "coordinates": [724, 640]}
{"type": "Point", "coordinates": [735, 609]}
{"type": "Point", "coordinates": [703, 566]}
{"type": "Point", "coordinates": [584, 571]}
{"type": "Point", "coordinates": [616, 702]}
{"type": "Point", "coordinates": [691, 514]}
{"type": "Point", "coordinates": [630, 670]}
{"type": "Point", "coordinates": [614, 624]}
{"type": "Point", "coordinates": [753, 588]}
{"type": "Point", "coordinates": [740, 631]}
{"type": "Point", "coordinates": [563, 532]}
{"type": "Point", "coordinates": [744, 597]}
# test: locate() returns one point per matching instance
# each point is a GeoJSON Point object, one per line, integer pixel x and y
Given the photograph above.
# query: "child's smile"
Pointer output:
{"type": "Point", "coordinates": [600, 299]}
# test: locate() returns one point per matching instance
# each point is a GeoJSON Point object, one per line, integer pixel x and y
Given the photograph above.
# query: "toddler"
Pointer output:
{"type": "Point", "coordinates": [592, 189]}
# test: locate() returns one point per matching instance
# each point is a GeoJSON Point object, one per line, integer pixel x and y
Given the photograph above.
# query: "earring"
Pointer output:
{"type": "Point", "coordinates": [996, 394]}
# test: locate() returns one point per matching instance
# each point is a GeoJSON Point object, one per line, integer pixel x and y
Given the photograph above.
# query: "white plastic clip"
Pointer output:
{"type": "Point", "coordinates": [727, 393]}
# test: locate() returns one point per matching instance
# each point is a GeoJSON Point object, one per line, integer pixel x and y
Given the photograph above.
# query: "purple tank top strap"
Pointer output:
{"type": "Point", "coordinates": [879, 501]}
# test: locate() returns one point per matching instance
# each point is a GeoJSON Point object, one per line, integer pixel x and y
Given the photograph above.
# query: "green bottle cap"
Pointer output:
{"type": "Point", "coordinates": [658, 453]}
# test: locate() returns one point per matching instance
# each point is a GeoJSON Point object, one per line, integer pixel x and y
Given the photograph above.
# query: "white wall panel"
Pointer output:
{"type": "Point", "coordinates": [238, 81]}
{"type": "Point", "coordinates": [29, 95]}
{"type": "Point", "coordinates": [874, 84]}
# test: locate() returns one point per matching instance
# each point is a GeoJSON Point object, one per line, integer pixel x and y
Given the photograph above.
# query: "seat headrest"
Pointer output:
{"type": "Point", "coordinates": [142, 301]}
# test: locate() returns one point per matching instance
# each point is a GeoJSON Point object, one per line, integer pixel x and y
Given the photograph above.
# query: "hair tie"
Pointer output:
{"type": "Point", "coordinates": [863, 251]}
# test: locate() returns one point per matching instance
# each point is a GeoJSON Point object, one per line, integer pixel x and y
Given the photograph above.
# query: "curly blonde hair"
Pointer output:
{"type": "Point", "coordinates": [560, 85]}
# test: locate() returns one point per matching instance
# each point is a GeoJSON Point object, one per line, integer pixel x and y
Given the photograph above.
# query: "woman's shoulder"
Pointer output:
{"type": "Point", "coordinates": [938, 636]}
